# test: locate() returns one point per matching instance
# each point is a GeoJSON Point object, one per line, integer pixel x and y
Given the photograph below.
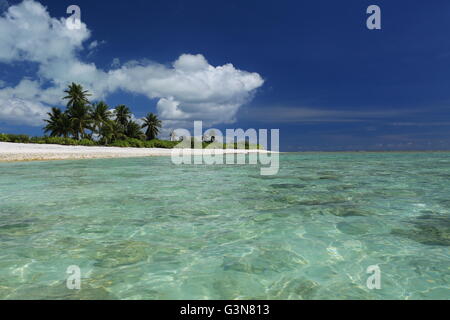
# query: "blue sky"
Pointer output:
{"type": "Point", "coordinates": [310, 68]}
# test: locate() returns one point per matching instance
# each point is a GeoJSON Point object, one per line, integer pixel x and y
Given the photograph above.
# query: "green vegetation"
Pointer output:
{"type": "Point", "coordinates": [215, 144]}
{"type": "Point", "coordinates": [83, 123]}
{"type": "Point", "coordinates": [17, 138]}
{"type": "Point", "coordinates": [124, 143]}
{"type": "Point", "coordinates": [152, 123]}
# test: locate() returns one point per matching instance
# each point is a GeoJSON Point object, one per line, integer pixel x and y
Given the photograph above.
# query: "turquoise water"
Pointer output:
{"type": "Point", "coordinates": [146, 229]}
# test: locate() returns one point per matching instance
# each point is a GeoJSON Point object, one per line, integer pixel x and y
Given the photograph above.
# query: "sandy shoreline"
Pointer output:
{"type": "Point", "coordinates": [39, 152]}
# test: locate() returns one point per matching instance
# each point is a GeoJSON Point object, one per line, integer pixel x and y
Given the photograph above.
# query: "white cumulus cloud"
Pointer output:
{"type": "Point", "coordinates": [190, 89]}
{"type": "Point", "coordinates": [22, 112]}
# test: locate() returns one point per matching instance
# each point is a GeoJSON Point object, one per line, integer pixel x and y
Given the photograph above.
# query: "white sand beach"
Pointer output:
{"type": "Point", "coordinates": [32, 152]}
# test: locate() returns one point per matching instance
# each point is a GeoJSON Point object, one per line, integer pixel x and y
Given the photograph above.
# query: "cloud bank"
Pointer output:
{"type": "Point", "coordinates": [189, 89]}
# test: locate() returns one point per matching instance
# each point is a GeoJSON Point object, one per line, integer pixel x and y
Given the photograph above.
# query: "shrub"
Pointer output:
{"type": "Point", "coordinates": [58, 140]}
{"type": "Point", "coordinates": [54, 140]}
{"type": "Point", "coordinates": [135, 143]}
{"type": "Point", "coordinates": [130, 142]}
{"type": "Point", "coordinates": [149, 144]}
{"type": "Point", "coordinates": [17, 138]}
{"type": "Point", "coordinates": [86, 142]}
{"type": "Point", "coordinates": [164, 144]}
{"type": "Point", "coordinates": [70, 141]}
{"type": "Point", "coordinates": [39, 140]}
{"type": "Point", "coordinates": [243, 145]}
{"type": "Point", "coordinates": [120, 143]}
{"type": "Point", "coordinates": [3, 137]}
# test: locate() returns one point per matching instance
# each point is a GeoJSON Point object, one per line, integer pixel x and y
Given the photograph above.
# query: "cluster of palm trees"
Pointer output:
{"type": "Point", "coordinates": [83, 120]}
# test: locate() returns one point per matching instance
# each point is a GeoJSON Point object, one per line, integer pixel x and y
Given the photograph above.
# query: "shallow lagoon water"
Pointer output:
{"type": "Point", "coordinates": [144, 228]}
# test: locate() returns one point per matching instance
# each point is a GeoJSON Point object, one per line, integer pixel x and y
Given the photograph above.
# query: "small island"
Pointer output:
{"type": "Point", "coordinates": [88, 129]}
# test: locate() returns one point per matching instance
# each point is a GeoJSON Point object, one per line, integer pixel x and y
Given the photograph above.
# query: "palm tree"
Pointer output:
{"type": "Point", "coordinates": [100, 114]}
{"type": "Point", "coordinates": [153, 124]}
{"type": "Point", "coordinates": [123, 115]}
{"type": "Point", "coordinates": [76, 95]}
{"type": "Point", "coordinates": [58, 124]}
{"type": "Point", "coordinates": [111, 131]}
{"type": "Point", "coordinates": [78, 109]}
{"type": "Point", "coordinates": [80, 117]}
{"type": "Point", "coordinates": [134, 131]}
